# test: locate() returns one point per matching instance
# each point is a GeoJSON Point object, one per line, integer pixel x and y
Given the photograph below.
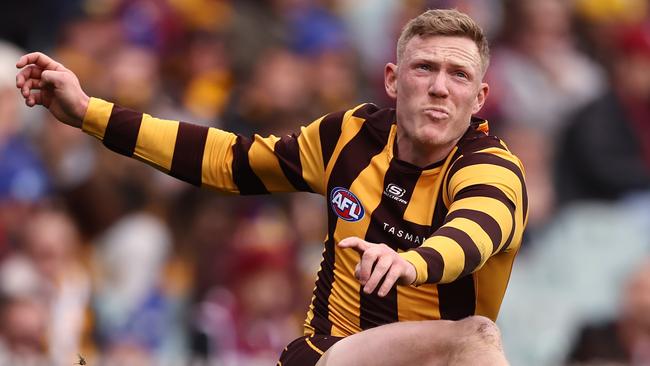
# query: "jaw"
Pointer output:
{"type": "Point", "coordinates": [429, 132]}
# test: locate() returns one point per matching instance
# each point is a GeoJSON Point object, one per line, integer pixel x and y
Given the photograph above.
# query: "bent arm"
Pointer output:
{"type": "Point", "coordinates": [487, 214]}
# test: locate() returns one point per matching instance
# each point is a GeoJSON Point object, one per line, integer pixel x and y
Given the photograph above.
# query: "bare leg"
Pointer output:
{"type": "Point", "coordinates": [472, 341]}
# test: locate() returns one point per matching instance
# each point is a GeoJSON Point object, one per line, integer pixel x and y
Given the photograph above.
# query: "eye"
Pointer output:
{"type": "Point", "coordinates": [425, 67]}
{"type": "Point", "coordinates": [461, 74]}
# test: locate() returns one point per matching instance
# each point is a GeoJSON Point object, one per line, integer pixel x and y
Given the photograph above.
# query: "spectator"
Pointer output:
{"type": "Point", "coordinates": [605, 151]}
{"type": "Point", "coordinates": [23, 321]}
{"type": "Point", "coordinates": [49, 272]}
{"type": "Point", "coordinates": [538, 77]}
{"type": "Point", "coordinates": [538, 74]}
{"type": "Point", "coordinates": [23, 178]}
{"type": "Point", "coordinates": [134, 315]}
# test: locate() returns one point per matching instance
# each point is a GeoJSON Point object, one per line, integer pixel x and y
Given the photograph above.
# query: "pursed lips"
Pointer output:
{"type": "Point", "coordinates": [436, 112]}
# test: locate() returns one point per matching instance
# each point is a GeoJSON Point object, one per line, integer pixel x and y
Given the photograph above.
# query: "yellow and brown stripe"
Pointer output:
{"type": "Point", "coordinates": [352, 153]}
{"type": "Point", "coordinates": [460, 221]}
{"type": "Point", "coordinates": [485, 214]}
{"type": "Point", "coordinates": [374, 310]}
{"type": "Point", "coordinates": [207, 156]}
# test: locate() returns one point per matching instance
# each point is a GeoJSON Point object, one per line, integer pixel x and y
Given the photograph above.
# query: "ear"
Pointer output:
{"type": "Point", "coordinates": [481, 97]}
{"type": "Point", "coordinates": [390, 80]}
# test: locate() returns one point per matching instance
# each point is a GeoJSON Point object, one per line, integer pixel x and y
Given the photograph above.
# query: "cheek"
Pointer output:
{"type": "Point", "coordinates": [410, 86]}
{"type": "Point", "coordinates": [467, 103]}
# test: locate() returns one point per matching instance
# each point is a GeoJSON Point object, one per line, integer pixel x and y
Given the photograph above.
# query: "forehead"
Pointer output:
{"type": "Point", "coordinates": [453, 49]}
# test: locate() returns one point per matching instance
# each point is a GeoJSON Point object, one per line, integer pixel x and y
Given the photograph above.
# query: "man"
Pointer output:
{"type": "Point", "coordinates": [604, 153]}
{"type": "Point", "coordinates": [419, 196]}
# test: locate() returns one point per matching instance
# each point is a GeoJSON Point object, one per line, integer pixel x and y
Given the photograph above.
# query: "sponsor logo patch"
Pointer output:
{"type": "Point", "coordinates": [346, 205]}
{"type": "Point", "coordinates": [414, 239]}
{"type": "Point", "coordinates": [395, 192]}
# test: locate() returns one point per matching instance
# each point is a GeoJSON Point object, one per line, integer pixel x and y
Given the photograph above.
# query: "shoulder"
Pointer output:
{"type": "Point", "coordinates": [478, 138]}
{"type": "Point", "coordinates": [374, 116]}
{"type": "Point", "coordinates": [478, 146]}
{"type": "Point", "coordinates": [365, 112]}
{"type": "Point", "coordinates": [366, 121]}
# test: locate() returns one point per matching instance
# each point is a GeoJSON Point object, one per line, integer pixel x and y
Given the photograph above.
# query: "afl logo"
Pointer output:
{"type": "Point", "coordinates": [346, 205]}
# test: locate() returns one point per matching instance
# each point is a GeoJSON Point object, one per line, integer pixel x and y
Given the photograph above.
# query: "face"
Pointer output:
{"type": "Point", "coordinates": [51, 239]}
{"type": "Point", "coordinates": [437, 86]}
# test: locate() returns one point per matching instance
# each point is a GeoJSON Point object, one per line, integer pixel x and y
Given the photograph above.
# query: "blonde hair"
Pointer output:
{"type": "Point", "coordinates": [445, 22]}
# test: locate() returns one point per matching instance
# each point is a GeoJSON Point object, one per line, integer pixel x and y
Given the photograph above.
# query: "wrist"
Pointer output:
{"type": "Point", "coordinates": [417, 265]}
{"type": "Point", "coordinates": [411, 273]}
{"type": "Point", "coordinates": [80, 114]}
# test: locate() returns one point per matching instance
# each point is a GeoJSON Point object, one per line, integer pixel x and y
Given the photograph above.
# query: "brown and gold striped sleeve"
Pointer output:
{"type": "Point", "coordinates": [214, 158]}
{"type": "Point", "coordinates": [486, 215]}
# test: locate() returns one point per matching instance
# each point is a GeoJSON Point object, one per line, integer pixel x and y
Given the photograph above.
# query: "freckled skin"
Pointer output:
{"type": "Point", "coordinates": [437, 85]}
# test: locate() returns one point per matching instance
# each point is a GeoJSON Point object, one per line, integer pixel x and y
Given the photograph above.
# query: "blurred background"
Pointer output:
{"type": "Point", "coordinates": [107, 258]}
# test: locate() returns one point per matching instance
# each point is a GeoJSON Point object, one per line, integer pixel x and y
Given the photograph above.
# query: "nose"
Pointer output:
{"type": "Point", "coordinates": [438, 85]}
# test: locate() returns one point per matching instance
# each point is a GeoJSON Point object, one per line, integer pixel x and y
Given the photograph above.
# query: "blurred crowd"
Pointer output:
{"type": "Point", "coordinates": [105, 258]}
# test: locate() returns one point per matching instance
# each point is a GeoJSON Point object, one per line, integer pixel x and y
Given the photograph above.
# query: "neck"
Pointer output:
{"type": "Point", "coordinates": [421, 154]}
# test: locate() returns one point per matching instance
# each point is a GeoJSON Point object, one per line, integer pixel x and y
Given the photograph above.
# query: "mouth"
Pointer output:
{"type": "Point", "coordinates": [436, 112]}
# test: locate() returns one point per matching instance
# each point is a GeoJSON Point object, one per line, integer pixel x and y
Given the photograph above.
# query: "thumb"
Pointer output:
{"type": "Point", "coordinates": [355, 243]}
{"type": "Point", "coordinates": [53, 78]}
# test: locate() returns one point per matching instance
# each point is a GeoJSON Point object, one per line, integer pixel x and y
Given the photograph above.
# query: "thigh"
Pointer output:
{"type": "Point", "coordinates": [471, 341]}
{"type": "Point", "coordinates": [306, 350]}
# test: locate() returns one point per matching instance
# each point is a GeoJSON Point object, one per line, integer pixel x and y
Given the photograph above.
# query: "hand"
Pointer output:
{"type": "Point", "coordinates": [377, 261]}
{"type": "Point", "coordinates": [57, 88]}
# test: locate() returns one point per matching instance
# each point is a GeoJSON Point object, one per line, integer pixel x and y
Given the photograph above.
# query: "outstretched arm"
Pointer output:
{"type": "Point", "coordinates": [196, 154]}
{"type": "Point", "coordinates": [43, 81]}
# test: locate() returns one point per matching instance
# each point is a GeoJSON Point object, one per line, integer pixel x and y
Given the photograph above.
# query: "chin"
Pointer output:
{"type": "Point", "coordinates": [430, 139]}
{"type": "Point", "coordinates": [432, 135]}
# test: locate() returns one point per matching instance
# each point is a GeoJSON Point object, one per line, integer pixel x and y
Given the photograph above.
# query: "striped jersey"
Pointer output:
{"type": "Point", "coordinates": [459, 222]}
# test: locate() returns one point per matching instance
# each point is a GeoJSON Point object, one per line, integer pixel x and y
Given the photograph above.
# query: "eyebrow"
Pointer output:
{"type": "Point", "coordinates": [453, 64]}
{"type": "Point", "coordinates": [465, 66]}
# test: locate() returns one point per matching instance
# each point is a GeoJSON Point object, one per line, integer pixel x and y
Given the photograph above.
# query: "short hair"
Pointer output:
{"type": "Point", "coordinates": [445, 22]}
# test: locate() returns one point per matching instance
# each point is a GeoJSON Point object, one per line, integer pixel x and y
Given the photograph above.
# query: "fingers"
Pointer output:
{"type": "Point", "coordinates": [34, 99]}
{"type": "Point", "coordinates": [29, 72]}
{"type": "Point", "coordinates": [383, 265]}
{"type": "Point", "coordinates": [39, 59]}
{"type": "Point", "coordinates": [377, 262]}
{"type": "Point", "coordinates": [355, 243]}
{"type": "Point", "coordinates": [366, 265]}
{"type": "Point", "coordinates": [55, 78]}
{"type": "Point", "coordinates": [28, 86]}
{"type": "Point", "coordinates": [31, 98]}
{"type": "Point", "coordinates": [33, 77]}
{"type": "Point", "coordinates": [389, 281]}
